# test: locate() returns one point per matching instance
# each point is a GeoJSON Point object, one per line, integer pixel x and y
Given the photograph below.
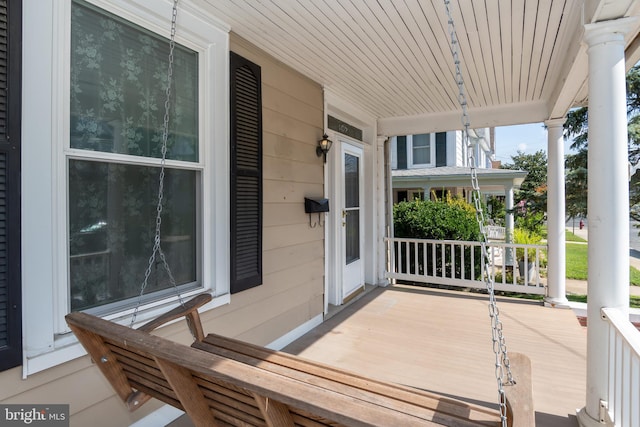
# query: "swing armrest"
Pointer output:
{"type": "Point", "coordinates": [188, 310]}
{"type": "Point", "coordinates": [520, 410]}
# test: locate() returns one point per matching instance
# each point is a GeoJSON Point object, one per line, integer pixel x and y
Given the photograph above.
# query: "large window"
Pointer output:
{"type": "Point", "coordinates": [92, 157]}
{"type": "Point", "coordinates": [117, 95]}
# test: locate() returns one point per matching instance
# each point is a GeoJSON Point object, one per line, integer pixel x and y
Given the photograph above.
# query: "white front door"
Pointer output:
{"type": "Point", "coordinates": [352, 216]}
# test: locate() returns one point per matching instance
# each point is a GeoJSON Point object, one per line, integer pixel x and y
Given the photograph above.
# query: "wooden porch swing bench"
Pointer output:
{"type": "Point", "coordinates": [220, 381]}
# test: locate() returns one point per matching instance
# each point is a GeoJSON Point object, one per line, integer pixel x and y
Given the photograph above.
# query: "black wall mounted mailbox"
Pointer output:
{"type": "Point", "coordinates": [316, 205]}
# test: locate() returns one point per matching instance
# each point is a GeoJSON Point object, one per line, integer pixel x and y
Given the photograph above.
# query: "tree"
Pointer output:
{"type": "Point", "coordinates": [531, 199]}
{"type": "Point", "coordinates": [576, 128]}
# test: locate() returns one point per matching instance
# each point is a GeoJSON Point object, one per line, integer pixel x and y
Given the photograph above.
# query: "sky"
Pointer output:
{"type": "Point", "coordinates": [526, 138]}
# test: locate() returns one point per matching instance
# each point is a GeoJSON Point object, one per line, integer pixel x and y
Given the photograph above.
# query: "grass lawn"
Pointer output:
{"type": "Point", "coordinates": [577, 264]}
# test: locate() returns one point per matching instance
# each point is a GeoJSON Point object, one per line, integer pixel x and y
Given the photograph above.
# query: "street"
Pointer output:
{"type": "Point", "coordinates": [634, 239]}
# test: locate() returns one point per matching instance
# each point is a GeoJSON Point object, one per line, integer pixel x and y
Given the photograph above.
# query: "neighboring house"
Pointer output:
{"type": "Point", "coordinates": [436, 165]}
{"type": "Point", "coordinates": [257, 85]}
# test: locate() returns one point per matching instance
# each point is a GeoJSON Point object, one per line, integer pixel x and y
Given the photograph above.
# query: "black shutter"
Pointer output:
{"type": "Point", "coordinates": [10, 106]}
{"type": "Point", "coordinates": [246, 174]}
{"type": "Point", "coordinates": [441, 149]}
{"type": "Point", "coordinates": [401, 151]}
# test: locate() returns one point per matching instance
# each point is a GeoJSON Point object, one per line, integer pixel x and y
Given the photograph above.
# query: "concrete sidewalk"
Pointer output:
{"type": "Point", "coordinates": [580, 286]}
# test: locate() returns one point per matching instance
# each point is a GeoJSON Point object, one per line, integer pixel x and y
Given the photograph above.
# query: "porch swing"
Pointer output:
{"type": "Point", "coordinates": [223, 381]}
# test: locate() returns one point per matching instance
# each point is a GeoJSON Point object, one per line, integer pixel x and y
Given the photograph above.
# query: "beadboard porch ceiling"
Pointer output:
{"type": "Point", "coordinates": [522, 62]}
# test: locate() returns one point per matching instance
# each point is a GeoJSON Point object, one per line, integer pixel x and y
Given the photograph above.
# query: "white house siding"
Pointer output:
{"type": "Point", "coordinates": [293, 255]}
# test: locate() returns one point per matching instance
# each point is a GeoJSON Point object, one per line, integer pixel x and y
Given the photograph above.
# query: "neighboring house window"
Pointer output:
{"type": "Point", "coordinates": [246, 174]}
{"type": "Point", "coordinates": [413, 151]}
{"type": "Point", "coordinates": [10, 111]}
{"type": "Point", "coordinates": [93, 134]}
{"type": "Point", "coordinates": [118, 91]}
{"type": "Point", "coordinates": [421, 149]}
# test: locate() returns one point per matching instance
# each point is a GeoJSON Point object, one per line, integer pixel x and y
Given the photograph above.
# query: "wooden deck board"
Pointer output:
{"type": "Point", "coordinates": [441, 341]}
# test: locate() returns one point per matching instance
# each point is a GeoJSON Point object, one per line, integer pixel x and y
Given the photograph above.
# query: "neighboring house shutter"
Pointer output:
{"type": "Point", "coordinates": [441, 149]}
{"type": "Point", "coordinates": [10, 106]}
{"type": "Point", "coordinates": [246, 174]}
{"type": "Point", "coordinates": [401, 151]}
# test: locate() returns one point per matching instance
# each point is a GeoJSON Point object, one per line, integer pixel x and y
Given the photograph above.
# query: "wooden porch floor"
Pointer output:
{"type": "Point", "coordinates": [441, 341]}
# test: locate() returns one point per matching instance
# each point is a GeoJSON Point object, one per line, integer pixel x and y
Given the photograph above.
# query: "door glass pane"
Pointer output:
{"type": "Point", "coordinates": [352, 236]}
{"type": "Point", "coordinates": [118, 88]}
{"type": "Point", "coordinates": [112, 210]}
{"type": "Point", "coordinates": [352, 204]}
{"type": "Point", "coordinates": [351, 181]}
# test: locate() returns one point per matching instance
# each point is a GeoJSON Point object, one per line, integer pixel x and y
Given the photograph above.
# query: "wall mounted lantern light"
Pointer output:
{"type": "Point", "coordinates": [323, 147]}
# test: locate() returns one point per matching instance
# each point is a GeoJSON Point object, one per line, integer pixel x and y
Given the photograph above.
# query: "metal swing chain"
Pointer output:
{"type": "Point", "coordinates": [499, 346]}
{"type": "Point", "coordinates": [157, 249]}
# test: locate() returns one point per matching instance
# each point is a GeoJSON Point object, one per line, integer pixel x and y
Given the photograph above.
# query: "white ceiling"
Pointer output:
{"type": "Point", "coordinates": [522, 61]}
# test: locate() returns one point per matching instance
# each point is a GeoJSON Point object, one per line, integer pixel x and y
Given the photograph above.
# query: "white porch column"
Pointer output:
{"type": "Point", "coordinates": [427, 192]}
{"type": "Point", "coordinates": [508, 222]}
{"type": "Point", "coordinates": [385, 220]}
{"type": "Point", "coordinates": [555, 215]}
{"type": "Point", "coordinates": [608, 203]}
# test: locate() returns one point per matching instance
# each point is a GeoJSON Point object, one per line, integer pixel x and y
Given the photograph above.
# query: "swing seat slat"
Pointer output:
{"type": "Point", "coordinates": [222, 381]}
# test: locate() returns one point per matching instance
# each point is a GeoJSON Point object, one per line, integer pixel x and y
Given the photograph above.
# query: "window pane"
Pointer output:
{"type": "Point", "coordinates": [351, 181]}
{"type": "Point", "coordinates": [112, 211]}
{"type": "Point", "coordinates": [352, 236]}
{"type": "Point", "coordinates": [421, 149]}
{"type": "Point", "coordinates": [118, 88]}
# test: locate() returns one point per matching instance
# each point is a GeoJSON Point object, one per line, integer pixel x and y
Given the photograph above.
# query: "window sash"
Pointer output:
{"type": "Point", "coordinates": [111, 226]}
{"type": "Point", "coordinates": [118, 109]}
{"type": "Point", "coordinates": [118, 88]}
{"type": "Point", "coordinates": [421, 150]}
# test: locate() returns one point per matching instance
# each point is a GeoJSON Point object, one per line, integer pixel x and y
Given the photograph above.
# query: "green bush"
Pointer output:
{"type": "Point", "coordinates": [532, 221]}
{"type": "Point", "coordinates": [526, 237]}
{"type": "Point", "coordinates": [452, 219]}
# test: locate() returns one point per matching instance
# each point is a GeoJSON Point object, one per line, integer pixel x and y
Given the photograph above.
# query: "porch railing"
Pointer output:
{"type": "Point", "coordinates": [458, 263]}
{"type": "Point", "coordinates": [624, 369]}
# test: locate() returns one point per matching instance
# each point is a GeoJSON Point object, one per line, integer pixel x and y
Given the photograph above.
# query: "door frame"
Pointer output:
{"type": "Point", "coordinates": [355, 149]}
{"type": "Point", "coordinates": [342, 145]}
{"type": "Point", "coordinates": [373, 254]}
{"type": "Point", "coordinates": [334, 251]}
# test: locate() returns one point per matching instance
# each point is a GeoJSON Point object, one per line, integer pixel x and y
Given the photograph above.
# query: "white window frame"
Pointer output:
{"type": "Point", "coordinates": [45, 127]}
{"type": "Point", "coordinates": [432, 150]}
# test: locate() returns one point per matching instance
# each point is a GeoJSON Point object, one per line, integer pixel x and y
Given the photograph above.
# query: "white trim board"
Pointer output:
{"type": "Point", "coordinates": [296, 333]}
